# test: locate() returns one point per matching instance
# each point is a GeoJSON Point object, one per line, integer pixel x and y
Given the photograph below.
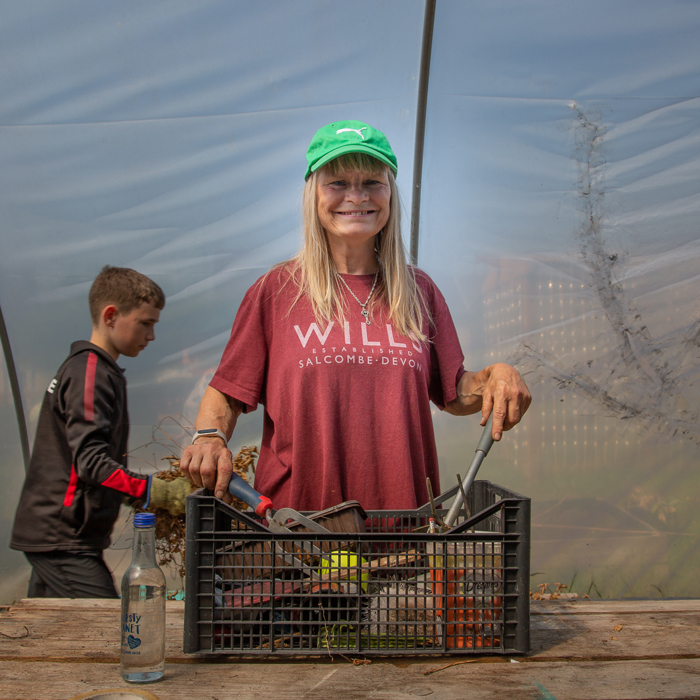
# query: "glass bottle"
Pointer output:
{"type": "Point", "coordinates": [143, 608]}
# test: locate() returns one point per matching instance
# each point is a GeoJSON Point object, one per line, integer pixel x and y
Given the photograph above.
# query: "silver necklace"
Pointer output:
{"type": "Point", "coordinates": [365, 313]}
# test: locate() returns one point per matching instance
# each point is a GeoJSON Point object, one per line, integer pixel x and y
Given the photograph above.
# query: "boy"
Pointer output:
{"type": "Point", "coordinates": [77, 475]}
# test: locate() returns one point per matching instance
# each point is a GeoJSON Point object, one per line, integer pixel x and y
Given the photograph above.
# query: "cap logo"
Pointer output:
{"type": "Point", "coordinates": [357, 131]}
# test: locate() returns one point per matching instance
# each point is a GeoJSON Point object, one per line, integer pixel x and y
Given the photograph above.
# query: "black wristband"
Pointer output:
{"type": "Point", "coordinates": [209, 432]}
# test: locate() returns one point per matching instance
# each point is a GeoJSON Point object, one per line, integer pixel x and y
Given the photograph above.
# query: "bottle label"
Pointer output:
{"type": "Point", "coordinates": [131, 624]}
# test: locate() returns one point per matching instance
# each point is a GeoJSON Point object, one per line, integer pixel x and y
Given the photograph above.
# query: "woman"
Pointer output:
{"type": "Point", "coordinates": [345, 345]}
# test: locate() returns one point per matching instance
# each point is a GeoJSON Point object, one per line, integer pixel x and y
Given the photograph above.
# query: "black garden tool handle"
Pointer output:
{"type": "Point", "coordinates": [482, 449]}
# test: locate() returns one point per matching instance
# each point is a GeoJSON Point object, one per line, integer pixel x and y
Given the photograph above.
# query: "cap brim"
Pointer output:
{"type": "Point", "coordinates": [349, 148]}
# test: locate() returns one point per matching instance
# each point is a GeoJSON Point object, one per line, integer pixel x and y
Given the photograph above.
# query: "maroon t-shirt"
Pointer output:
{"type": "Point", "coordinates": [347, 407]}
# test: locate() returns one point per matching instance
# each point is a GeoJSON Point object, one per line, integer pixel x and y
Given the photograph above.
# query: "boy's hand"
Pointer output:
{"type": "Point", "coordinates": [209, 464]}
{"type": "Point", "coordinates": [170, 495]}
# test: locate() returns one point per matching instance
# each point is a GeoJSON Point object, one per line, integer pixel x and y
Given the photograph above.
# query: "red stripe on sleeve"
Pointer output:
{"type": "Point", "coordinates": [121, 481]}
{"type": "Point", "coordinates": [90, 387]}
{"type": "Point", "coordinates": [72, 485]}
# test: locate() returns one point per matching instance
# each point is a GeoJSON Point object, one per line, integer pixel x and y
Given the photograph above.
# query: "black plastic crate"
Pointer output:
{"type": "Point", "coordinates": [390, 590]}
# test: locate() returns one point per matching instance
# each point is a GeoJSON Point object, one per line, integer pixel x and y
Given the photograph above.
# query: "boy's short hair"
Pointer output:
{"type": "Point", "coordinates": [125, 288]}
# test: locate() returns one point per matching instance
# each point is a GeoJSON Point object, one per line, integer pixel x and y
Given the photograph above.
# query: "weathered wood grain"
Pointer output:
{"type": "Point", "coordinates": [57, 629]}
{"type": "Point", "coordinates": [615, 629]}
{"type": "Point", "coordinates": [614, 680]}
{"type": "Point", "coordinates": [55, 649]}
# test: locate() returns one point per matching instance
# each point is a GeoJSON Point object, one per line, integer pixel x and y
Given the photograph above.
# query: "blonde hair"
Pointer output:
{"type": "Point", "coordinates": [314, 272]}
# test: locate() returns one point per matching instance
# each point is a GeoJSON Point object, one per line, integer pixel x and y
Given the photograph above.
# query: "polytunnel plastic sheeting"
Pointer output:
{"type": "Point", "coordinates": [169, 137]}
{"type": "Point", "coordinates": [560, 214]}
{"type": "Point", "coordinates": [13, 568]}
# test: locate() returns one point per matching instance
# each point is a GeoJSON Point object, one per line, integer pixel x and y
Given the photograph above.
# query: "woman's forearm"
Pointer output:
{"type": "Point", "coordinates": [218, 411]}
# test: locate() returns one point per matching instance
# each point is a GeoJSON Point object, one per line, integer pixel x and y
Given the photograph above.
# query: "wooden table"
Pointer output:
{"type": "Point", "coordinates": [56, 649]}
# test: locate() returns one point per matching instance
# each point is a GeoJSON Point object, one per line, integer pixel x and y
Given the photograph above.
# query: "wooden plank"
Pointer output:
{"type": "Point", "coordinates": [547, 607]}
{"type": "Point", "coordinates": [88, 604]}
{"type": "Point", "coordinates": [667, 680]}
{"type": "Point", "coordinates": [622, 607]}
{"type": "Point", "coordinates": [626, 629]}
{"type": "Point", "coordinates": [65, 629]}
{"type": "Point", "coordinates": [54, 649]}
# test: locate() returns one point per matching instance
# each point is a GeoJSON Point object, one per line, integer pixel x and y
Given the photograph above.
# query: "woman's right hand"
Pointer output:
{"type": "Point", "coordinates": [209, 464]}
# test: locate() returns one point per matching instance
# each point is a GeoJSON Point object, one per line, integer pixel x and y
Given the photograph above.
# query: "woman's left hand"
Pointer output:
{"type": "Point", "coordinates": [497, 389]}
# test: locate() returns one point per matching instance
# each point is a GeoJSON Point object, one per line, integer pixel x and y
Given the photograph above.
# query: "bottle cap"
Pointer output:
{"type": "Point", "coordinates": [144, 520]}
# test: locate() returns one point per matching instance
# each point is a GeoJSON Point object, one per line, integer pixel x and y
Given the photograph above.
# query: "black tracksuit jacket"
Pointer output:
{"type": "Point", "coordinates": [77, 475]}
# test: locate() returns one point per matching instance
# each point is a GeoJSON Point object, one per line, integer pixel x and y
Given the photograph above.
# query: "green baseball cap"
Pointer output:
{"type": "Point", "coordinates": [339, 138]}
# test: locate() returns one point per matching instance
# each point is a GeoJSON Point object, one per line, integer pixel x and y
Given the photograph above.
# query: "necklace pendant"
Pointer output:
{"type": "Point", "coordinates": [365, 313]}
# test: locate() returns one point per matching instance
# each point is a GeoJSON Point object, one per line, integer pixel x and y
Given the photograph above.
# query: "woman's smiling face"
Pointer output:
{"type": "Point", "coordinates": [353, 205]}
